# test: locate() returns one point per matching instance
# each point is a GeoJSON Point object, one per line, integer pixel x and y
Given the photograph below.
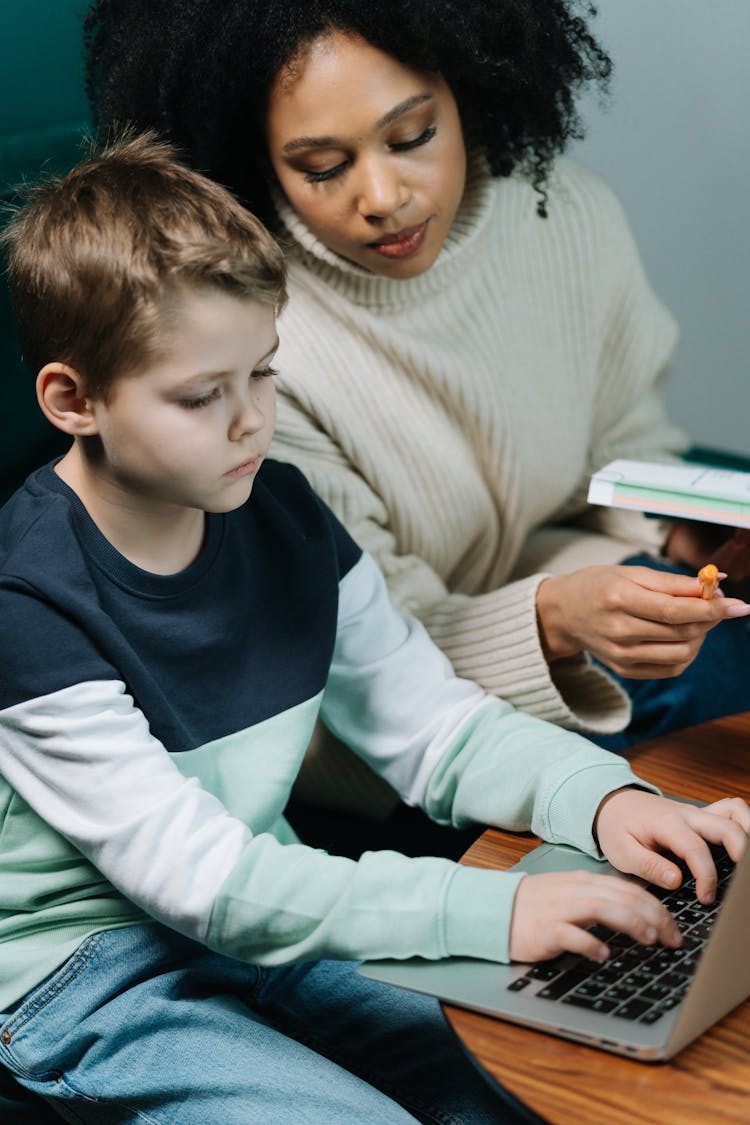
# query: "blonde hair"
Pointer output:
{"type": "Point", "coordinates": [97, 258]}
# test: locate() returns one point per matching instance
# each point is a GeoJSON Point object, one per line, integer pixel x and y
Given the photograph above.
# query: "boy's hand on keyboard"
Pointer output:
{"type": "Point", "coordinates": [551, 913]}
{"type": "Point", "coordinates": [634, 827]}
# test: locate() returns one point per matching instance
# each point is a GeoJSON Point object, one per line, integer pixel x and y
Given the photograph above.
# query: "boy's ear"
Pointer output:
{"type": "Point", "coordinates": [60, 394]}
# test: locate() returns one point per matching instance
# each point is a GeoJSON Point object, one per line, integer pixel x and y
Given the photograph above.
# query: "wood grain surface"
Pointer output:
{"type": "Point", "coordinates": [569, 1084]}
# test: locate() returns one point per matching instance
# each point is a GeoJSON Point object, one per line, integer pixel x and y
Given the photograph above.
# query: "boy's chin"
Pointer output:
{"type": "Point", "coordinates": [230, 502]}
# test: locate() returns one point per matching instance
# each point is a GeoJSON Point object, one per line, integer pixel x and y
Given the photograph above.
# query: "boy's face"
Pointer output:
{"type": "Point", "coordinates": [192, 428]}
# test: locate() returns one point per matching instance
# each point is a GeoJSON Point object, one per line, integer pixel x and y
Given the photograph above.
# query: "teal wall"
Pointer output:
{"type": "Point", "coordinates": [43, 115]}
{"type": "Point", "coordinates": [41, 64]}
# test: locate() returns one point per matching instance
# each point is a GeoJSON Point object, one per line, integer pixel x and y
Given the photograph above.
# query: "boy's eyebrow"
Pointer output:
{"type": "Point", "coordinates": [203, 377]}
{"type": "Point", "coordinates": [331, 142]}
{"type": "Point", "coordinates": [270, 353]}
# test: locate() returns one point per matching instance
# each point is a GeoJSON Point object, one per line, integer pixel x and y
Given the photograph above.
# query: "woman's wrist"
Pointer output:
{"type": "Point", "coordinates": [557, 643]}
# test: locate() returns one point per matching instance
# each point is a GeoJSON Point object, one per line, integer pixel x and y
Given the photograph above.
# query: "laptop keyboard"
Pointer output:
{"type": "Point", "coordinates": [638, 982]}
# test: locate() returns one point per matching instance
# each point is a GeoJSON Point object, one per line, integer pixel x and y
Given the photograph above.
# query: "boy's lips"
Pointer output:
{"type": "Point", "coordinates": [250, 466]}
{"type": "Point", "coordinates": [403, 243]}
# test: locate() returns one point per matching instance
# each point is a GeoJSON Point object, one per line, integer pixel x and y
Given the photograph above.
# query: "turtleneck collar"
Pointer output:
{"type": "Point", "coordinates": [365, 288]}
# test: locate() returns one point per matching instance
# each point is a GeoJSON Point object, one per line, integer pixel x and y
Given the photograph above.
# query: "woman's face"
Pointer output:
{"type": "Point", "coordinates": [369, 153]}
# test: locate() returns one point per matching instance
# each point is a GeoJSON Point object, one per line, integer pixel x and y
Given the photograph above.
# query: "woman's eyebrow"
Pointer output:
{"type": "Point", "coordinates": [403, 107]}
{"type": "Point", "coordinates": [333, 142]}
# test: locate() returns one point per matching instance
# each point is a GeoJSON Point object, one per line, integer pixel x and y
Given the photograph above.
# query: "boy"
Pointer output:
{"type": "Point", "coordinates": [174, 613]}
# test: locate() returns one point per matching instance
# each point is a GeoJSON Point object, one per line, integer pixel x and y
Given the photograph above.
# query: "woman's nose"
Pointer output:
{"type": "Point", "coordinates": [381, 188]}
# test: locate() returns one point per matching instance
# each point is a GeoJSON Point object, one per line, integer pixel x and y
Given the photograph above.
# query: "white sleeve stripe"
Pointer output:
{"type": "Point", "coordinates": [392, 695]}
{"type": "Point", "coordinates": [84, 759]}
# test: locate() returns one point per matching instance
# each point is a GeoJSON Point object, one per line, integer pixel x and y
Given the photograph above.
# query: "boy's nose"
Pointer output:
{"type": "Point", "coordinates": [381, 190]}
{"type": "Point", "coordinates": [248, 418]}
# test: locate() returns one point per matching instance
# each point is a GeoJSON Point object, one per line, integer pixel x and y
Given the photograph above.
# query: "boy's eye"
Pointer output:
{"type": "Point", "coordinates": [425, 136]}
{"type": "Point", "coordinates": [264, 372]}
{"type": "Point", "coordinates": [199, 400]}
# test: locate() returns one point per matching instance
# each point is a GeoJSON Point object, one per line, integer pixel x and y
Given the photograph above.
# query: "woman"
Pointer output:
{"type": "Point", "coordinates": [469, 334]}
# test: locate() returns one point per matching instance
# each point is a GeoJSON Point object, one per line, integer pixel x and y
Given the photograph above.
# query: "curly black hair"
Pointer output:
{"type": "Point", "coordinates": [200, 71]}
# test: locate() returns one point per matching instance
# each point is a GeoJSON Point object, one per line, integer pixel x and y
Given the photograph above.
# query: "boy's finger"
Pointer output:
{"type": "Point", "coordinates": [575, 940]}
{"type": "Point", "coordinates": [651, 922]}
{"type": "Point", "coordinates": [652, 866]}
{"type": "Point", "coordinates": [737, 810]}
{"type": "Point", "coordinates": [690, 839]}
{"type": "Point", "coordinates": [722, 829]}
{"type": "Point", "coordinates": [625, 906]}
{"type": "Point", "coordinates": [701, 863]}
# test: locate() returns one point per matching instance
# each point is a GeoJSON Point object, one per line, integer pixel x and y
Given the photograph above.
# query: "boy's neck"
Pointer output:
{"type": "Point", "coordinates": [157, 537]}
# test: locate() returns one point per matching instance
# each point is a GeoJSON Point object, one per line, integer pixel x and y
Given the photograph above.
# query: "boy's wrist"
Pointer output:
{"type": "Point", "coordinates": [605, 802]}
{"type": "Point", "coordinates": [478, 911]}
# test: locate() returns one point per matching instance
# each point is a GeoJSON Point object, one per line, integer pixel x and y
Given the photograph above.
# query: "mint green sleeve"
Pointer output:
{"type": "Point", "coordinates": [517, 772]}
{"type": "Point", "coordinates": [291, 903]}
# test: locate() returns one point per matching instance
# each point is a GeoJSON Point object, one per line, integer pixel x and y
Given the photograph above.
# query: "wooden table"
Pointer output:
{"type": "Point", "coordinates": [570, 1084]}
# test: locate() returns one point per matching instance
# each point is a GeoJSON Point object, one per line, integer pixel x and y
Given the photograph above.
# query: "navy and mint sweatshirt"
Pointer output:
{"type": "Point", "coordinates": [151, 729]}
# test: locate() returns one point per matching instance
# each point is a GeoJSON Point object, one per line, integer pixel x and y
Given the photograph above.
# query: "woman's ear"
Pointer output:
{"type": "Point", "coordinates": [60, 394]}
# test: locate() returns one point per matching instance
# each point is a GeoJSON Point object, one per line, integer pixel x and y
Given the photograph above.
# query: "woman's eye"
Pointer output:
{"type": "Point", "coordinates": [199, 400]}
{"type": "Point", "coordinates": [327, 174]}
{"type": "Point", "coordinates": [264, 372]}
{"type": "Point", "coordinates": [396, 146]}
{"type": "Point", "coordinates": [422, 139]}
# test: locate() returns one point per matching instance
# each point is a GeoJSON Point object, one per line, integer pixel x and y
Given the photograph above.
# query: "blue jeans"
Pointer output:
{"type": "Point", "coordinates": [143, 1025]}
{"type": "Point", "coordinates": [717, 683]}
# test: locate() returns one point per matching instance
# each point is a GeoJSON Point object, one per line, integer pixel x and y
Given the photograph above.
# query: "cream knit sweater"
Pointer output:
{"type": "Point", "coordinates": [452, 422]}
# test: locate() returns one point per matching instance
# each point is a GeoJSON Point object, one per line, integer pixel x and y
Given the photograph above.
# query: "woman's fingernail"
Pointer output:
{"type": "Point", "coordinates": [649, 935]}
{"type": "Point", "coordinates": [738, 610]}
{"type": "Point", "coordinates": [670, 878]}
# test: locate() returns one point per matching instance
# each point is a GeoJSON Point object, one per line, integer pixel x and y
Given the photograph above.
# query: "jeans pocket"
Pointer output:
{"type": "Point", "coordinates": [26, 1041]}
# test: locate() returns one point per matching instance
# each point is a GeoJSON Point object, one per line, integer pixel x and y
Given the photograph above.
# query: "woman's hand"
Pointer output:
{"type": "Point", "coordinates": [643, 623]}
{"type": "Point", "coordinates": [633, 827]}
{"type": "Point", "coordinates": [551, 911]}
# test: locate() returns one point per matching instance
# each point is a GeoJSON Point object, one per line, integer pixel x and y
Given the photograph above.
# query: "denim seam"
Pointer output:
{"type": "Point", "coordinates": [73, 967]}
{"type": "Point", "coordinates": [130, 1109]}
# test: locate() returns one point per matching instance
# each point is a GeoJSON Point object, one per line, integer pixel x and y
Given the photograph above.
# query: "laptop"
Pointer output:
{"type": "Point", "coordinates": [645, 1002]}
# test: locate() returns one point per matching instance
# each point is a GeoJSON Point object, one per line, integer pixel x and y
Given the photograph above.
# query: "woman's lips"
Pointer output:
{"type": "Point", "coordinates": [403, 243]}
